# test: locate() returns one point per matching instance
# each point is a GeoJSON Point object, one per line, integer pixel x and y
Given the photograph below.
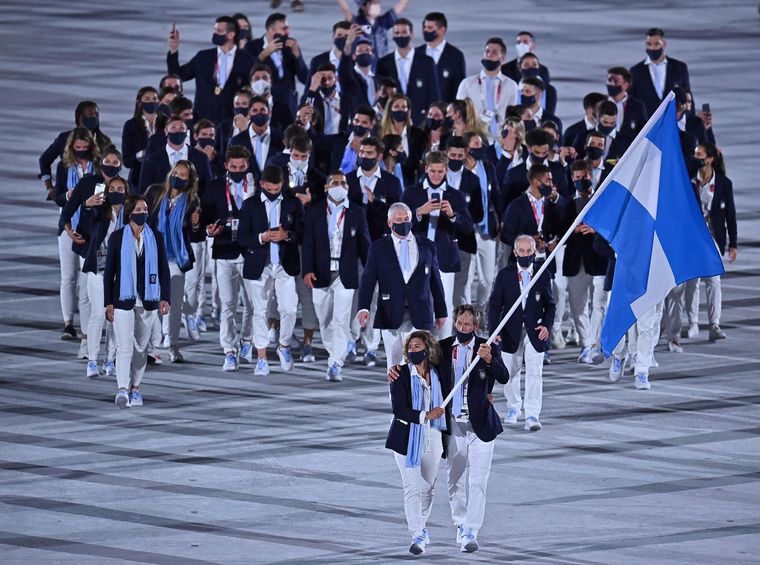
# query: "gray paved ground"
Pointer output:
{"type": "Point", "coordinates": [231, 469]}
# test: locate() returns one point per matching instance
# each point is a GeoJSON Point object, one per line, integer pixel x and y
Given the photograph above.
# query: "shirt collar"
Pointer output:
{"type": "Point", "coordinates": [331, 204]}
{"type": "Point", "coordinates": [442, 188]}
{"type": "Point", "coordinates": [468, 345]}
{"type": "Point", "coordinates": [409, 56]}
{"type": "Point", "coordinates": [649, 61]}
{"type": "Point", "coordinates": [230, 53]}
{"type": "Point", "coordinates": [360, 173]}
{"type": "Point", "coordinates": [532, 198]}
{"type": "Point", "coordinates": [483, 76]}
{"type": "Point", "coordinates": [438, 49]}
{"type": "Point", "coordinates": [589, 125]}
{"type": "Point", "coordinates": [265, 199]}
{"type": "Point", "coordinates": [254, 134]}
{"type": "Point", "coordinates": [358, 69]}
{"type": "Point", "coordinates": [539, 113]}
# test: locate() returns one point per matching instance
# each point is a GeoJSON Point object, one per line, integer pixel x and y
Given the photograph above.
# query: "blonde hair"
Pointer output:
{"type": "Point", "coordinates": [192, 185]}
{"type": "Point", "coordinates": [80, 134]}
{"type": "Point", "coordinates": [386, 125]}
{"type": "Point", "coordinates": [518, 127]}
{"type": "Point", "coordinates": [431, 344]}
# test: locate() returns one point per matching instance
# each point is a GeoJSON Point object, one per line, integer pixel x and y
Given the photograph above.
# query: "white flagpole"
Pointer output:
{"type": "Point", "coordinates": [568, 233]}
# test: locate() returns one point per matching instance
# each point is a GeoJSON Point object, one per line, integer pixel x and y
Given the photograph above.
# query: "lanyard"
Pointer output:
{"type": "Point", "coordinates": [535, 213]}
{"type": "Point", "coordinates": [340, 218]}
{"type": "Point", "coordinates": [483, 93]}
{"type": "Point", "coordinates": [229, 197]}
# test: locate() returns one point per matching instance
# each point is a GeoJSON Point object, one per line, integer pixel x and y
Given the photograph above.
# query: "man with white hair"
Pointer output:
{"type": "Point", "coordinates": [410, 294]}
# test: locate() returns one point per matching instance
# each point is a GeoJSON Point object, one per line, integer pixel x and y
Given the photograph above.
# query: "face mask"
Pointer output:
{"type": "Point", "coordinates": [448, 123]}
{"type": "Point", "coordinates": [116, 198]}
{"type": "Point", "coordinates": [529, 125]}
{"type": "Point", "coordinates": [299, 164]}
{"type": "Point", "coordinates": [594, 153]}
{"type": "Point", "coordinates": [463, 337]}
{"type": "Point", "coordinates": [364, 59]}
{"type": "Point", "coordinates": [606, 130]}
{"type": "Point", "coordinates": [270, 196]}
{"type": "Point", "coordinates": [240, 111]}
{"type": "Point", "coordinates": [456, 164]}
{"type": "Point", "coordinates": [527, 100]}
{"type": "Point", "coordinates": [82, 153]}
{"type": "Point", "coordinates": [382, 101]}
{"type": "Point", "coordinates": [544, 189]}
{"type": "Point", "coordinates": [260, 87]}
{"type": "Point", "coordinates": [219, 39]}
{"type": "Point", "coordinates": [189, 124]}
{"type": "Point", "coordinates": [337, 193]}
{"type": "Point", "coordinates": [340, 43]}
{"type": "Point", "coordinates": [176, 137]}
{"type": "Point", "coordinates": [429, 36]}
{"type": "Point", "coordinates": [435, 186]}
{"type": "Point", "coordinates": [402, 228]}
{"type": "Point", "coordinates": [700, 163]}
{"type": "Point", "coordinates": [374, 10]}
{"type": "Point", "coordinates": [150, 107]}
{"type": "Point", "coordinates": [521, 49]}
{"type": "Point", "coordinates": [327, 90]}
{"type": "Point", "coordinates": [417, 357]}
{"type": "Point", "coordinates": [91, 122]}
{"type": "Point", "coordinates": [205, 142]}
{"type": "Point", "coordinates": [489, 64]}
{"type": "Point", "coordinates": [359, 131]}
{"type": "Point", "coordinates": [654, 54]}
{"type": "Point", "coordinates": [177, 183]}
{"type": "Point", "coordinates": [164, 109]}
{"type": "Point", "coordinates": [400, 157]}
{"type": "Point", "coordinates": [478, 153]}
{"type": "Point", "coordinates": [402, 40]}
{"type": "Point", "coordinates": [433, 123]}
{"type": "Point", "coordinates": [529, 73]}
{"type": "Point", "coordinates": [238, 176]}
{"type": "Point", "coordinates": [243, 34]}
{"type": "Point", "coordinates": [366, 163]}
{"type": "Point", "coordinates": [526, 261]}
{"type": "Point", "coordinates": [110, 170]}
{"type": "Point", "coordinates": [399, 115]}
{"type": "Point", "coordinates": [614, 89]}
{"type": "Point", "coordinates": [260, 120]}
{"type": "Point", "coordinates": [535, 158]}
{"type": "Point", "coordinates": [139, 218]}
{"type": "Point", "coordinates": [582, 185]}
{"type": "Point", "coordinates": [281, 37]}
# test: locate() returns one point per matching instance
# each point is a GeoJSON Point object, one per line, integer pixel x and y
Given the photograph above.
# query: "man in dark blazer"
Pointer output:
{"type": "Point", "coordinates": [335, 240]}
{"type": "Point", "coordinates": [449, 61]}
{"type": "Point", "coordinates": [270, 230]}
{"type": "Point", "coordinates": [658, 74]}
{"type": "Point", "coordinates": [260, 139]}
{"type": "Point", "coordinates": [530, 94]}
{"type": "Point", "coordinates": [413, 71]}
{"type": "Point", "coordinates": [302, 178]}
{"type": "Point", "coordinates": [410, 296]}
{"type": "Point", "coordinates": [575, 135]}
{"type": "Point", "coordinates": [615, 142]}
{"type": "Point", "coordinates": [632, 114]}
{"type": "Point", "coordinates": [440, 214]}
{"type": "Point", "coordinates": [526, 333]}
{"type": "Point", "coordinates": [531, 68]}
{"type": "Point", "coordinates": [526, 43]}
{"type": "Point", "coordinates": [355, 71]}
{"type": "Point", "coordinates": [332, 55]}
{"type": "Point", "coordinates": [218, 72]}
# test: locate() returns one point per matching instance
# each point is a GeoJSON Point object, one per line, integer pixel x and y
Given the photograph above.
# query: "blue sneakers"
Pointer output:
{"type": "Point", "coordinates": [135, 398]}
{"type": "Point", "coordinates": [286, 358]}
{"type": "Point", "coordinates": [92, 369]}
{"type": "Point", "coordinates": [641, 381]}
{"type": "Point", "coordinates": [246, 351]}
{"type": "Point", "coordinates": [512, 414]}
{"type": "Point", "coordinates": [262, 368]}
{"type": "Point", "coordinates": [333, 373]}
{"type": "Point", "coordinates": [351, 352]}
{"type": "Point", "coordinates": [109, 368]}
{"type": "Point", "coordinates": [230, 363]}
{"type": "Point", "coordinates": [370, 359]}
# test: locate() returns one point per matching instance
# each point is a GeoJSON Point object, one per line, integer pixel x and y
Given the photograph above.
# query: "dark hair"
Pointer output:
{"type": "Point", "coordinates": [498, 41]}
{"type": "Point", "coordinates": [260, 67]}
{"type": "Point", "coordinates": [551, 124]}
{"type": "Point", "coordinates": [537, 170]}
{"type": "Point", "coordinates": [290, 132]}
{"type": "Point", "coordinates": [622, 71]}
{"type": "Point", "coordinates": [468, 309]}
{"type": "Point", "coordinates": [655, 31]}
{"type": "Point", "coordinates": [342, 24]}
{"type": "Point", "coordinates": [373, 142]}
{"type": "Point", "coordinates": [386, 81]}
{"type": "Point", "coordinates": [173, 118]}
{"type": "Point", "coordinates": [130, 203]}
{"type": "Point", "coordinates": [718, 165]}
{"type": "Point", "coordinates": [535, 82]}
{"type": "Point", "coordinates": [326, 66]}
{"type": "Point", "coordinates": [203, 124]}
{"type": "Point", "coordinates": [406, 22]}
{"type": "Point", "coordinates": [591, 134]}
{"type": "Point", "coordinates": [274, 18]}
{"type": "Point", "coordinates": [460, 107]}
{"type": "Point", "coordinates": [164, 90]}
{"type": "Point", "coordinates": [438, 18]}
{"type": "Point", "coordinates": [469, 135]}
{"type": "Point", "coordinates": [137, 115]}
{"type": "Point", "coordinates": [300, 143]}
{"type": "Point", "coordinates": [580, 165]}
{"type": "Point", "coordinates": [456, 142]}
{"type": "Point", "coordinates": [528, 55]}
{"type": "Point", "coordinates": [161, 84]}
{"type": "Point", "coordinates": [592, 99]}
{"type": "Point", "coordinates": [111, 150]}
{"type": "Point", "coordinates": [230, 21]}
{"type": "Point", "coordinates": [241, 16]}
{"type": "Point", "coordinates": [608, 108]}
{"type": "Point", "coordinates": [258, 100]}
{"type": "Point", "coordinates": [81, 107]}
{"type": "Point", "coordinates": [365, 110]}
{"type": "Point", "coordinates": [272, 174]}
{"type": "Point", "coordinates": [391, 141]}
{"type": "Point", "coordinates": [529, 34]}
{"type": "Point", "coordinates": [237, 152]}
{"type": "Point", "coordinates": [180, 104]}
{"type": "Point", "coordinates": [538, 136]}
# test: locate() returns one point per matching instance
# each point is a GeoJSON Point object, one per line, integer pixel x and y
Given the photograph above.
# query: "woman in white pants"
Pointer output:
{"type": "Point", "coordinates": [416, 431]}
{"type": "Point", "coordinates": [135, 288]}
{"type": "Point", "coordinates": [175, 213]}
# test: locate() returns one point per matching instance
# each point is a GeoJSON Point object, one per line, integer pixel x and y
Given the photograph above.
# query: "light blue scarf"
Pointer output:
{"type": "Point", "coordinates": [481, 172]}
{"type": "Point", "coordinates": [128, 273]}
{"type": "Point", "coordinates": [72, 179]}
{"type": "Point", "coordinates": [416, 430]}
{"type": "Point", "coordinates": [173, 236]}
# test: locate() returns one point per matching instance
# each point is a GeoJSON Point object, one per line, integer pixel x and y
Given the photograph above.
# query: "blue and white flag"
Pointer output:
{"type": "Point", "coordinates": [648, 212]}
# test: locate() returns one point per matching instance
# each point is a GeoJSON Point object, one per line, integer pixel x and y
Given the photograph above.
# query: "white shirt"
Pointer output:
{"type": "Point", "coordinates": [407, 66]}
{"type": "Point", "coordinates": [682, 122]}
{"type": "Point", "coordinates": [454, 179]}
{"type": "Point", "coordinates": [474, 88]}
{"type": "Point", "coordinates": [589, 124]}
{"type": "Point", "coordinates": [276, 59]}
{"type": "Point", "coordinates": [520, 276]}
{"type": "Point", "coordinates": [334, 104]}
{"type": "Point", "coordinates": [414, 254]}
{"type": "Point", "coordinates": [435, 52]}
{"type": "Point", "coordinates": [368, 182]}
{"type": "Point", "coordinates": [538, 206]}
{"type": "Point", "coordinates": [176, 154]}
{"type": "Point", "coordinates": [596, 173]}
{"type": "Point", "coordinates": [706, 193]}
{"type": "Point", "coordinates": [229, 58]}
{"type": "Point", "coordinates": [265, 139]}
{"type": "Point", "coordinates": [658, 71]}
{"type": "Point", "coordinates": [621, 110]}
{"type": "Point", "coordinates": [336, 241]}
{"type": "Point", "coordinates": [538, 115]}
{"type": "Point", "coordinates": [269, 206]}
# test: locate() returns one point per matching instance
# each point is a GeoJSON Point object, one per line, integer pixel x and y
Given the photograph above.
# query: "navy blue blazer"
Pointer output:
{"type": "Point", "coordinates": [156, 166]}
{"type": "Point", "coordinates": [512, 70]}
{"type": "Point", "coordinates": [387, 192]}
{"type": "Point", "coordinates": [314, 181]}
{"type": "Point", "coordinates": [634, 117]}
{"type": "Point", "coordinates": [495, 203]}
{"type": "Point", "coordinates": [134, 138]}
{"type": "Point", "coordinates": [347, 104]}
{"type": "Point", "coordinates": [539, 309]}
{"type": "Point", "coordinates": [517, 181]}
{"type": "Point", "coordinates": [450, 69]}
{"type": "Point", "coordinates": [579, 249]}
{"type": "Point", "coordinates": [422, 88]}
{"type": "Point", "coordinates": [98, 225]}
{"type": "Point", "coordinates": [722, 212]}
{"type": "Point", "coordinates": [483, 416]}
{"type": "Point", "coordinates": [404, 414]}
{"type": "Point", "coordinates": [214, 208]}
{"type": "Point", "coordinates": [448, 230]}
{"type": "Point", "coordinates": [422, 296]}
{"type": "Point", "coordinates": [112, 274]}
{"type": "Point", "coordinates": [352, 84]}
{"type": "Point", "coordinates": [315, 249]}
{"type": "Point", "coordinates": [676, 74]}
{"type": "Point", "coordinates": [202, 67]}
{"type": "Point", "coordinates": [575, 135]}
{"type": "Point", "coordinates": [253, 221]}
{"type": "Point", "coordinates": [275, 147]}
{"type": "Point", "coordinates": [519, 219]}
{"type": "Point", "coordinates": [470, 189]}
{"type": "Point", "coordinates": [696, 127]}
{"type": "Point", "coordinates": [55, 150]}
{"type": "Point", "coordinates": [82, 191]}
{"type": "Point", "coordinates": [152, 198]}
{"type": "Point", "coordinates": [293, 68]}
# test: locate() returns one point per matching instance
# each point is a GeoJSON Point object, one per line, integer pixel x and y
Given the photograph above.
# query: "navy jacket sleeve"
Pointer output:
{"type": "Point", "coordinates": [400, 395]}
{"type": "Point", "coordinates": [496, 302]}
{"type": "Point", "coordinates": [109, 272]}
{"type": "Point", "coordinates": [368, 279]}
{"type": "Point", "coordinates": [164, 277]}
{"type": "Point", "coordinates": [185, 72]}
{"type": "Point", "coordinates": [436, 288]}
{"type": "Point", "coordinates": [496, 371]}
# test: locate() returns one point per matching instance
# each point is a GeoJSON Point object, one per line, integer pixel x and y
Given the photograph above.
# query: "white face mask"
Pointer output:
{"type": "Point", "coordinates": [337, 193]}
{"type": "Point", "coordinates": [260, 87]}
{"type": "Point", "coordinates": [522, 49]}
{"type": "Point", "coordinates": [299, 164]}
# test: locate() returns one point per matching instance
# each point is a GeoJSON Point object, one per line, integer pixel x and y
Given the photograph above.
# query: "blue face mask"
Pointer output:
{"type": "Point", "coordinates": [177, 183]}
{"type": "Point", "coordinates": [260, 120]}
{"type": "Point", "coordinates": [219, 39]}
{"type": "Point", "coordinates": [463, 337]}
{"type": "Point", "coordinates": [340, 43]}
{"type": "Point", "coordinates": [139, 218]}
{"type": "Point", "coordinates": [529, 73]}
{"type": "Point", "coordinates": [238, 176]}
{"type": "Point", "coordinates": [205, 142]}
{"type": "Point", "coordinates": [240, 111]}
{"type": "Point", "coordinates": [402, 40]}
{"type": "Point", "coordinates": [545, 189]}
{"type": "Point", "coordinates": [489, 64]}
{"type": "Point", "coordinates": [594, 153]}
{"type": "Point", "coordinates": [582, 185]}
{"type": "Point", "coordinates": [150, 107]}
{"type": "Point", "coordinates": [417, 357]}
{"type": "Point", "coordinates": [364, 59]}
{"type": "Point", "coordinates": [176, 137]}
{"type": "Point", "coordinates": [455, 165]}
{"type": "Point", "coordinates": [527, 100]}
{"type": "Point", "coordinates": [402, 228]}
{"type": "Point", "coordinates": [433, 123]}
{"type": "Point", "coordinates": [401, 157]}
{"type": "Point", "coordinates": [399, 115]}
{"type": "Point", "coordinates": [478, 153]}
{"type": "Point", "coordinates": [272, 197]}
{"type": "Point", "coordinates": [110, 170]}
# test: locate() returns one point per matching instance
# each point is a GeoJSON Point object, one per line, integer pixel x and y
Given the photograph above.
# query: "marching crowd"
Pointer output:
{"type": "Point", "coordinates": [397, 199]}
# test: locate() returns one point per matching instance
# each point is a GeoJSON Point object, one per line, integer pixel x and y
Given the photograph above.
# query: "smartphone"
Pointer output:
{"type": "Point", "coordinates": [706, 108]}
{"type": "Point", "coordinates": [273, 229]}
{"type": "Point", "coordinates": [220, 222]}
{"type": "Point", "coordinates": [367, 29]}
{"type": "Point", "coordinates": [100, 188]}
{"type": "Point", "coordinates": [174, 29]}
{"type": "Point", "coordinates": [436, 197]}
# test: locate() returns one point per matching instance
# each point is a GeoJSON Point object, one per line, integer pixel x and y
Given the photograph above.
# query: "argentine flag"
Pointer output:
{"type": "Point", "coordinates": [648, 212]}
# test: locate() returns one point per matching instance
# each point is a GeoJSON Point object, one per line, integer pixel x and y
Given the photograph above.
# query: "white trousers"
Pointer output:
{"type": "Point", "coordinates": [462, 293]}
{"type": "Point", "coordinates": [132, 329]}
{"type": "Point", "coordinates": [309, 319]}
{"type": "Point", "coordinates": [483, 271]}
{"type": "Point", "coordinates": [229, 276]}
{"type": "Point", "coordinates": [559, 288]}
{"type": "Point", "coordinates": [714, 298]}
{"type": "Point", "coordinates": [393, 342]}
{"type": "Point", "coordinates": [447, 279]}
{"type": "Point", "coordinates": [419, 483]}
{"type": "Point", "coordinates": [274, 281]}
{"type": "Point", "coordinates": [98, 320]}
{"type": "Point", "coordinates": [579, 288]}
{"type": "Point", "coordinates": [194, 280]}
{"type": "Point", "coordinates": [69, 262]}
{"type": "Point", "coordinates": [642, 338]}
{"type": "Point", "coordinates": [370, 336]}
{"type": "Point", "coordinates": [534, 386]}
{"type": "Point", "coordinates": [467, 456]}
{"type": "Point", "coordinates": [334, 305]}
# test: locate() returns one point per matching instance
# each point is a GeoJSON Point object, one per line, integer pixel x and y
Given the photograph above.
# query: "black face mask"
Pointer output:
{"type": "Point", "coordinates": [526, 261]}
{"type": "Point", "coordinates": [164, 110]}
{"type": "Point", "coordinates": [189, 124]}
{"type": "Point", "coordinates": [150, 107]}
{"type": "Point", "coordinates": [433, 123]}
{"type": "Point", "coordinates": [529, 124]}
{"type": "Point", "coordinates": [359, 131]}
{"type": "Point", "coordinates": [327, 91]}
{"type": "Point", "coordinates": [237, 176]}
{"type": "Point", "coordinates": [177, 183]}
{"type": "Point", "coordinates": [429, 36]}
{"type": "Point", "coordinates": [260, 120]}
{"type": "Point", "coordinates": [400, 157]}
{"type": "Point", "coordinates": [527, 100]}
{"type": "Point", "coordinates": [700, 163]}
{"type": "Point", "coordinates": [382, 101]}
{"type": "Point", "coordinates": [280, 37]}
{"type": "Point", "coordinates": [340, 43]}
{"type": "Point", "coordinates": [655, 54]}
{"type": "Point", "coordinates": [240, 111]}
{"type": "Point", "coordinates": [448, 122]}
{"type": "Point", "coordinates": [243, 34]}
{"type": "Point", "coordinates": [366, 163]}
{"type": "Point", "coordinates": [176, 137]}
{"type": "Point", "coordinates": [205, 142]}
{"type": "Point", "coordinates": [435, 186]}
{"type": "Point", "coordinates": [399, 115]}
{"type": "Point", "coordinates": [82, 153]}
{"type": "Point", "coordinates": [402, 228]}
{"type": "Point", "coordinates": [478, 153]}
{"type": "Point", "coordinates": [594, 153]}
{"type": "Point", "coordinates": [490, 65]}
{"type": "Point", "coordinates": [614, 89]}
{"type": "Point", "coordinates": [456, 165]}
{"type": "Point", "coordinates": [606, 130]}
{"type": "Point", "coordinates": [535, 158]}
{"type": "Point", "coordinates": [529, 73]}
{"type": "Point", "coordinates": [364, 59]}
{"type": "Point", "coordinates": [91, 122]}
{"type": "Point", "coordinates": [139, 218]}
{"type": "Point", "coordinates": [544, 189]}
{"type": "Point", "coordinates": [272, 197]}
{"type": "Point", "coordinates": [219, 39]}
{"type": "Point", "coordinates": [582, 185]}
{"type": "Point", "coordinates": [463, 337]}
{"type": "Point", "coordinates": [116, 198]}
{"type": "Point", "coordinates": [402, 40]}
{"type": "Point", "coordinates": [417, 357]}
{"type": "Point", "coordinates": [110, 170]}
